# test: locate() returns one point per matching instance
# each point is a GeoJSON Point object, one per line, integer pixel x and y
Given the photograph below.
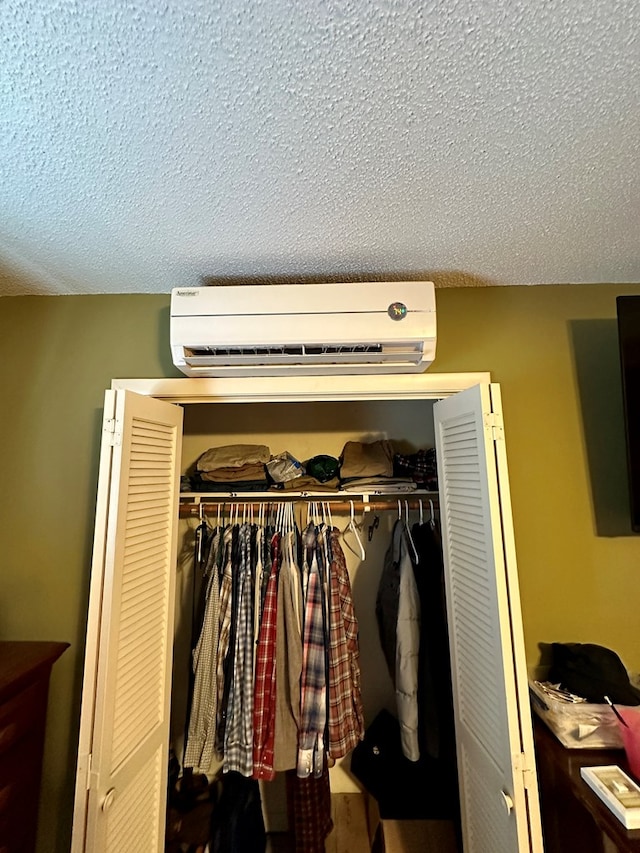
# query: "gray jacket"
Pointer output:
{"type": "Point", "coordinates": [398, 615]}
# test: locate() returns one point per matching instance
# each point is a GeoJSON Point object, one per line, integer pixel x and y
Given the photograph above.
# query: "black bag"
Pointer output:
{"type": "Point", "coordinates": [593, 672]}
{"type": "Point", "coordinates": [405, 790]}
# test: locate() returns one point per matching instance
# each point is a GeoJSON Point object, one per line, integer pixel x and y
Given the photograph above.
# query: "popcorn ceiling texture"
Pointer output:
{"type": "Point", "coordinates": [147, 145]}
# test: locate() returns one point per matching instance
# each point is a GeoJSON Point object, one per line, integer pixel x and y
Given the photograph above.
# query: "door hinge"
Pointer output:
{"type": "Point", "coordinates": [84, 769]}
{"type": "Point", "coordinates": [493, 422]}
{"type": "Point", "coordinates": [113, 435]}
{"type": "Point", "coordinates": [521, 765]}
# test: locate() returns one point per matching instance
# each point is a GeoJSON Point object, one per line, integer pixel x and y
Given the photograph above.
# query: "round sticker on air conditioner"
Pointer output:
{"type": "Point", "coordinates": [397, 310]}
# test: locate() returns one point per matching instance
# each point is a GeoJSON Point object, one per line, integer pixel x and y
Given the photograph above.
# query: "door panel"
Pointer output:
{"type": "Point", "coordinates": [127, 729]}
{"type": "Point", "coordinates": [500, 813]}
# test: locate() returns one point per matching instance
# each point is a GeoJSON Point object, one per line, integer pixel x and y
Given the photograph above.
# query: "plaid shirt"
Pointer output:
{"type": "Point", "coordinates": [238, 736]}
{"type": "Point", "coordinates": [346, 717]}
{"type": "Point", "coordinates": [264, 710]}
{"type": "Point", "coordinates": [314, 673]}
{"type": "Point", "coordinates": [309, 811]}
{"type": "Point", "coordinates": [420, 466]}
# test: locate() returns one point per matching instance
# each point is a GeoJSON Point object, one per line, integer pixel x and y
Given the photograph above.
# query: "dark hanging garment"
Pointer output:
{"type": "Point", "coordinates": [388, 600]}
{"type": "Point", "coordinates": [237, 825]}
{"type": "Point", "coordinates": [435, 695]}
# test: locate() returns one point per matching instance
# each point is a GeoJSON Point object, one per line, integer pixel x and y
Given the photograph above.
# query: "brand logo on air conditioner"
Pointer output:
{"type": "Point", "coordinates": [397, 310]}
{"type": "Point", "coordinates": [193, 292]}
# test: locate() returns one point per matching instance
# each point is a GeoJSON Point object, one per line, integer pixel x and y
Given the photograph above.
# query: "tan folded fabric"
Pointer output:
{"type": "Point", "coordinates": [233, 456]}
{"type": "Point", "coordinates": [234, 475]}
{"type": "Point", "coordinates": [374, 459]}
{"type": "Point", "coordinates": [310, 484]}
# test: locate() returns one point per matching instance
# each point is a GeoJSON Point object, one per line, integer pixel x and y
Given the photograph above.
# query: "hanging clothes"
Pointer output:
{"type": "Point", "coordinates": [237, 824]}
{"type": "Point", "coordinates": [265, 678]}
{"type": "Point", "coordinates": [313, 712]}
{"type": "Point", "coordinates": [398, 616]}
{"type": "Point", "coordinates": [276, 662]}
{"type": "Point", "coordinates": [200, 747]}
{"type": "Point", "coordinates": [345, 725]}
{"type": "Point", "coordinates": [224, 641]}
{"type": "Point", "coordinates": [288, 658]}
{"type": "Point", "coordinates": [309, 810]}
{"type": "Point", "coordinates": [435, 692]}
{"type": "Point", "coordinates": [238, 735]}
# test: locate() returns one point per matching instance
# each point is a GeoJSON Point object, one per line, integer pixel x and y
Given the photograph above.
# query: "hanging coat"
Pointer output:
{"type": "Point", "coordinates": [398, 615]}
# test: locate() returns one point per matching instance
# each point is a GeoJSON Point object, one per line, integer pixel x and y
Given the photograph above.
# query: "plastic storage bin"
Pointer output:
{"type": "Point", "coordinates": [581, 725]}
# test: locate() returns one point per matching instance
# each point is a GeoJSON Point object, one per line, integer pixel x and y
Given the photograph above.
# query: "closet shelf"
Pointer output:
{"type": "Point", "coordinates": [364, 501]}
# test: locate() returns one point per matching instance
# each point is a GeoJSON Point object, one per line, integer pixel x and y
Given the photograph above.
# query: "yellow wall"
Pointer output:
{"type": "Point", "coordinates": [553, 349]}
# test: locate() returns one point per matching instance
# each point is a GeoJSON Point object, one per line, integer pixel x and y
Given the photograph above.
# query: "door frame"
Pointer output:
{"type": "Point", "coordinates": [281, 389]}
{"type": "Point", "coordinates": [309, 389]}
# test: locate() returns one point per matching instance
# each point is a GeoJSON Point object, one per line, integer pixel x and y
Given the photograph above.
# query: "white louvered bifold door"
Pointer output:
{"type": "Point", "coordinates": [496, 764]}
{"type": "Point", "coordinates": [126, 696]}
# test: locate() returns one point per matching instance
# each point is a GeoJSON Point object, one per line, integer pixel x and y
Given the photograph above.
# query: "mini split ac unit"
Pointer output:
{"type": "Point", "coordinates": [363, 327]}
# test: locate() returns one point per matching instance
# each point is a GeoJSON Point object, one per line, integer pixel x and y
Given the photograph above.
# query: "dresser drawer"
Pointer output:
{"type": "Point", "coordinates": [19, 778]}
{"type": "Point", "coordinates": [21, 714]}
{"type": "Point", "coordinates": [19, 771]}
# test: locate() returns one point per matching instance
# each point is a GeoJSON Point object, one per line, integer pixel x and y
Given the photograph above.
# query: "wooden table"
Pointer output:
{"type": "Point", "coordinates": [573, 817]}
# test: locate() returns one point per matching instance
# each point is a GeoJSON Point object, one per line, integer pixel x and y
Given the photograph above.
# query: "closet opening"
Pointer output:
{"type": "Point", "coordinates": [365, 519]}
{"type": "Point", "coordinates": [131, 648]}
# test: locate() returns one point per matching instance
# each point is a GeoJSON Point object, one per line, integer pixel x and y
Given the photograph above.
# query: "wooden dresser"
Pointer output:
{"type": "Point", "coordinates": [25, 668]}
{"type": "Point", "coordinates": [573, 817]}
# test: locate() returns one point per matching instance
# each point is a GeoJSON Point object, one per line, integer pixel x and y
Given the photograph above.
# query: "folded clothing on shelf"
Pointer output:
{"type": "Point", "coordinates": [233, 456]}
{"type": "Point", "coordinates": [372, 459]}
{"type": "Point", "coordinates": [250, 471]}
{"type": "Point", "coordinates": [421, 467]}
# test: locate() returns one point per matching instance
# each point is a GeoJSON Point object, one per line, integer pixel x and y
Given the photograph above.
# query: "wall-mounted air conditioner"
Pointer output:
{"type": "Point", "coordinates": [362, 327]}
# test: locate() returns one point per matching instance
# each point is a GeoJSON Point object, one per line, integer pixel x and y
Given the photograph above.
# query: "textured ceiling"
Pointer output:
{"type": "Point", "coordinates": [147, 145]}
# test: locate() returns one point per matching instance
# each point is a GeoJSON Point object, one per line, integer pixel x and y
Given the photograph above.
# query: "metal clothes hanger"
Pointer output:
{"type": "Point", "coordinates": [202, 526]}
{"type": "Point", "coordinates": [353, 528]}
{"type": "Point", "coordinates": [407, 529]}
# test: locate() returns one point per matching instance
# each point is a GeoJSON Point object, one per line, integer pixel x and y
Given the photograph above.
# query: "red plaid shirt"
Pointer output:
{"type": "Point", "coordinates": [309, 811]}
{"type": "Point", "coordinates": [264, 707]}
{"type": "Point", "coordinates": [346, 717]}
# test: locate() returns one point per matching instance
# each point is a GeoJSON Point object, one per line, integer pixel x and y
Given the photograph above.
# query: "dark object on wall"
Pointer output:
{"type": "Point", "coordinates": [592, 671]}
{"type": "Point", "coordinates": [629, 340]}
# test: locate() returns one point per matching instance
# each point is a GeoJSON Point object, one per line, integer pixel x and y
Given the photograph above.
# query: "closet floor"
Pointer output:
{"type": "Point", "coordinates": [351, 833]}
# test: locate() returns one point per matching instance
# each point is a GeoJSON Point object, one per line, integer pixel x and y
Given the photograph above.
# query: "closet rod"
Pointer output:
{"type": "Point", "coordinates": [188, 510]}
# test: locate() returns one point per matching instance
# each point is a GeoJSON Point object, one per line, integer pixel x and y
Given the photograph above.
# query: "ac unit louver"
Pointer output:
{"type": "Point", "coordinates": [361, 327]}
